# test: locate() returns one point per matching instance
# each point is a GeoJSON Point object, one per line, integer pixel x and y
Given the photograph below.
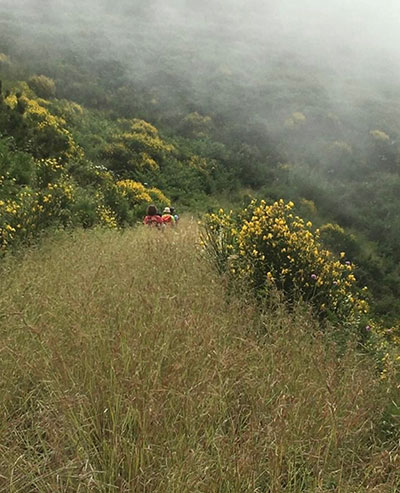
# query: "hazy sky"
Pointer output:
{"type": "Point", "coordinates": [313, 28]}
{"type": "Point", "coordinates": [356, 39]}
{"type": "Point", "coordinates": [357, 24]}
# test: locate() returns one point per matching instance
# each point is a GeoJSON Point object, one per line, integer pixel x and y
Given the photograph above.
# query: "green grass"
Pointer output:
{"type": "Point", "coordinates": [125, 367]}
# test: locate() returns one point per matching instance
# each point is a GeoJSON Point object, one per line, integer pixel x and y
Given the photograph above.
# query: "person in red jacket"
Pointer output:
{"type": "Point", "coordinates": [167, 218]}
{"type": "Point", "coordinates": [152, 217]}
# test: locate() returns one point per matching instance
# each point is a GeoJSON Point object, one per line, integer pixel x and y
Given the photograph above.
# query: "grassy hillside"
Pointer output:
{"type": "Point", "coordinates": [126, 367]}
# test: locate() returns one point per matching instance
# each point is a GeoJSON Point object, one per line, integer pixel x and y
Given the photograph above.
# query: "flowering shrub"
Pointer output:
{"type": "Point", "coordinates": [107, 216]}
{"type": "Point", "coordinates": [157, 197]}
{"type": "Point", "coordinates": [137, 148]}
{"type": "Point", "coordinates": [137, 193]}
{"type": "Point", "coordinates": [383, 343]}
{"type": "Point", "coordinates": [49, 137]}
{"type": "Point", "coordinates": [29, 211]}
{"type": "Point", "coordinates": [26, 211]}
{"type": "Point", "coordinates": [46, 180]}
{"type": "Point", "coordinates": [43, 134]}
{"type": "Point", "coordinates": [269, 246]}
{"type": "Point", "coordinates": [38, 193]}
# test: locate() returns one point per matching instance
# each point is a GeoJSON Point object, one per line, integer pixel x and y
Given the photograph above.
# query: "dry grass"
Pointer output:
{"type": "Point", "coordinates": [124, 368]}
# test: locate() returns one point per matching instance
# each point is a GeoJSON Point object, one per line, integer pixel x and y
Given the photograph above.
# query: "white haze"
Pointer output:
{"type": "Point", "coordinates": [349, 48]}
{"type": "Point", "coordinates": [357, 29]}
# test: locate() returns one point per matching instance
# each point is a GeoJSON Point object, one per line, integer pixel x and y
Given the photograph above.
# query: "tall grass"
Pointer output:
{"type": "Point", "coordinates": [125, 367]}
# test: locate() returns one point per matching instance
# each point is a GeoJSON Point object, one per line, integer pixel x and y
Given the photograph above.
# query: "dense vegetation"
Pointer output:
{"type": "Point", "coordinates": [107, 107]}
{"type": "Point", "coordinates": [123, 372]}
{"type": "Point", "coordinates": [267, 246]}
{"type": "Point", "coordinates": [205, 123]}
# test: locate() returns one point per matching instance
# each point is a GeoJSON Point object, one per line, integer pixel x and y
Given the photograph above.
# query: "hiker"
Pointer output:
{"type": "Point", "coordinates": [167, 218]}
{"type": "Point", "coordinates": [174, 215]}
{"type": "Point", "coordinates": [152, 217]}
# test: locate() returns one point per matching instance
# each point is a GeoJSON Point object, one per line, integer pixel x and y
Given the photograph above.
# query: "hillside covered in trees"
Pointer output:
{"type": "Point", "coordinates": [109, 106]}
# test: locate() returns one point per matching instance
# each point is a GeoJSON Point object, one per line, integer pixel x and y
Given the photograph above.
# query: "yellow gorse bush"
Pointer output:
{"type": "Point", "coordinates": [50, 126]}
{"type": "Point", "coordinates": [144, 139]}
{"type": "Point", "coordinates": [107, 216]}
{"type": "Point", "coordinates": [50, 183]}
{"type": "Point", "coordinates": [134, 190]}
{"type": "Point", "coordinates": [270, 246]}
{"type": "Point", "coordinates": [51, 136]}
{"type": "Point", "coordinates": [51, 200]}
{"type": "Point", "coordinates": [29, 211]}
{"type": "Point", "coordinates": [158, 197]}
{"type": "Point", "coordinates": [137, 193]}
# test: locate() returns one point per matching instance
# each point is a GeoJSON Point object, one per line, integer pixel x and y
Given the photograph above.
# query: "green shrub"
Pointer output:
{"type": "Point", "coordinates": [268, 246]}
{"type": "Point", "coordinates": [337, 240]}
{"type": "Point", "coordinates": [43, 86]}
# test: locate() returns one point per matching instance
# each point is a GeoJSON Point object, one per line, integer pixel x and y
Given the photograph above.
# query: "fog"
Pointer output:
{"type": "Point", "coordinates": [294, 98]}
{"type": "Point", "coordinates": [357, 30]}
{"type": "Point", "coordinates": [345, 49]}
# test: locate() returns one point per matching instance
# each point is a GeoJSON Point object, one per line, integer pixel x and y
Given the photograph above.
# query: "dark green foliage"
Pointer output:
{"type": "Point", "coordinates": [43, 86]}
{"type": "Point", "coordinates": [84, 209]}
{"type": "Point", "coordinates": [337, 240]}
{"type": "Point", "coordinates": [18, 165]}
